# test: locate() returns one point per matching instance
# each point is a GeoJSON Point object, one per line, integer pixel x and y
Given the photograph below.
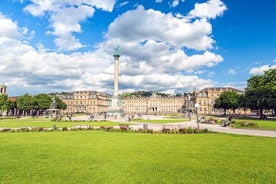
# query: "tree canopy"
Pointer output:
{"type": "Point", "coordinates": [228, 100]}
{"type": "Point", "coordinates": [260, 93]}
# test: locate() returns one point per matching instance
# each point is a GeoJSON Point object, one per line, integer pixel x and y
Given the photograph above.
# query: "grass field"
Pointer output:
{"type": "Point", "coordinates": [261, 124]}
{"type": "Point", "coordinates": [46, 122]}
{"type": "Point", "coordinates": [109, 157]}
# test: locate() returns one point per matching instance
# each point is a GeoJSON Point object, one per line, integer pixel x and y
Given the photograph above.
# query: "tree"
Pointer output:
{"type": "Point", "coordinates": [270, 82]}
{"type": "Point", "coordinates": [3, 103]}
{"type": "Point", "coordinates": [26, 103]}
{"type": "Point", "coordinates": [12, 106]}
{"type": "Point", "coordinates": [242, 103]}
{"type": "Point", "coordinates": [43, 101]}
{"type": "Point", "coordinates": [228, 100]}
{"type": "Point", "coordinates": [260, 93]}
{"type": "Point", "coordinates": [60, 103]}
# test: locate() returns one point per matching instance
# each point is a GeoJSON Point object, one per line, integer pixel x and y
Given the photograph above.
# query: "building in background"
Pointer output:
{"type": "Point", "coordinates": [87, 102]}
{"type": "Point", "coordinates": [3, 89]}
{"type": "Point", "coordinates": [206, 97]}
{"type": "Point", "coordinates": [154, 104]}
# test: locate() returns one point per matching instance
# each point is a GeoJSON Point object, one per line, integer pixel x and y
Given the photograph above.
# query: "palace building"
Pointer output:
{"type": "Point", "coordinates": [88, 102]}
{"type": "Point", "coordinates": [155, 104]}
{"type": "Point", "coordinates": [206, 97]}
{"type": "Point", "coordinates": [93, 102]}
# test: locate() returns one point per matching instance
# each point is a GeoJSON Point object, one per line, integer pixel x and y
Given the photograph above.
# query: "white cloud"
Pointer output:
{"type": "Point", "coordinates": [8, 29]}
{"type": "Point", "coordinates": [152, 54]}
{"type": "Point", "coordinates": [22, 66]}
{"type": "Point", "coordinates": [260, 70]}
{"type": "Point", "coordinates": [175, 3]}
{"type": "Point", "coordinates": [123, 3]}
{"type": "Point", "coordinates": [153, 25]}
{"type": "Point", "coordinates": [232, 72]}
{"type": "Point", "coordinates": [210, 9]}
{"type": "Point", "coordinates": [65, 17]}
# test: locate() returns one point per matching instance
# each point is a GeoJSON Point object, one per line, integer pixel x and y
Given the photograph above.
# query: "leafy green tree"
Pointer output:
{"type": "Point", "coordinates": [260, 93]}
{"type": "Point", "coordinates": [12, 106]}
{"type": "Point", "coordinates": [60, 103]}
{"type": "Point", "coordinates": [43, 101]}
{"type": "Point", "coordinates": [242, 102]}
{"type": "Point", "coordinates": [228, 100]}
{"type": "Point", "coordinates": [26, 104]}
{"type": "Point", "coordinates": [3, 102]}
{"type": "Point", "coordinates": [270, 83]}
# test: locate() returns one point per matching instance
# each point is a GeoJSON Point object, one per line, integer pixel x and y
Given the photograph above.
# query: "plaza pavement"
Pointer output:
{"type": "Point", "coordinates": [213, 127]}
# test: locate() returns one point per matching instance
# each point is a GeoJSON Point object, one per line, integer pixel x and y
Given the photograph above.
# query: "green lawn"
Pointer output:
{"type": "Point", "coordinates": [261, 124]}
{"type": "Point", "coordinates": [46, 122]}
{"type": "Point", "coordinates": [109, 157]}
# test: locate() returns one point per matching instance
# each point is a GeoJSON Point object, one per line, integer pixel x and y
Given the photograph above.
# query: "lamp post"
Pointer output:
{"type": "Point", "coordinates": [196, 107]}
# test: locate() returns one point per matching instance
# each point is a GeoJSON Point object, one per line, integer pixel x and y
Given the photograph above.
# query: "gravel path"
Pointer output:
{"type": "Point", "coordinates": [215, 128]}
{"type": "Point", "coordinates": [193, 124]}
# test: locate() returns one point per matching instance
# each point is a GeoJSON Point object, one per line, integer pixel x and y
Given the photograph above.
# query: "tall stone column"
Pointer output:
{"type": "Point", "coordinates": [116, 75]}
{"type": "Point", "coordinates": [115, 106]}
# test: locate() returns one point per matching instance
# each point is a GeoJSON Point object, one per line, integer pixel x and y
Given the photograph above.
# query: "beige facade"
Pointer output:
{"type": "Point", "coordinates": [92, 102]}
{"type": "Point", "coordinates": [153, 105]}
{"type": "Point", "coordinates": [206, 97]}
{"type": "Point", "coordinates": [88, 102]}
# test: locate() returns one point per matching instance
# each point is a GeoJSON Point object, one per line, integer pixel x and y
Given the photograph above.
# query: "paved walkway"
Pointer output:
{"type": "Point", "coordinates": [218, 128]}
{"type": "Point", "coordinates": [155, 126]}
{"type": "Point", "coordinates": [193, 124]}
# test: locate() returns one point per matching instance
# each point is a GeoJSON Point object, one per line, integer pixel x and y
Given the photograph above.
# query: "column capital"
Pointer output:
{"type": "Point", "coordinates": [116, 57]}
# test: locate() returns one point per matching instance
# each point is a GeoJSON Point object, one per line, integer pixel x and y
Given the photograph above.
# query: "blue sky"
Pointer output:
{"type": "Point", "coordinates": [170, 46]}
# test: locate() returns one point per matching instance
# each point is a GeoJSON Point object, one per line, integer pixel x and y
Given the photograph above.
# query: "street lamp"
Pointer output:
{"type": "Point", "coordinates": [196, 107]}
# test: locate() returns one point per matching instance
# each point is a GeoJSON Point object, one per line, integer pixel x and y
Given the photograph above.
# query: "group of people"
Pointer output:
{"type": "Point", "coordinates": [228, 122]}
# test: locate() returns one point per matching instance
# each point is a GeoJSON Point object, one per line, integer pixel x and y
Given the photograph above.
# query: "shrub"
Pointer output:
{"type": "Point", "coordinates": [251, 124]}
{"type": "Point", "coordinates": [90, 128]}
{"type": "Point", "coordinates": [23, 129]}
{"type": "Point", "coordinates": [150, 131]}
{"type": "Point", "coordinates": [189, 130]}
{"type": "Point", "coordinates": [109, 129]}
{"type": "Point", "coordinates": [196, 131]}
{"type": "Point", "coordinates": [244, 124]}
{"type": "Point", "coordinates": [140, 130]}
{"type": "Point", "coordinates": [6, 129]}
{"type": "Point", "coordinates": [64, 128]}
{"type": "Point", "coordinates": [123, 129]}
{"type": "Point", "coordinates": [102, 127]}
{"type": "Point", "coordinates": [182, 130]}
{"type": "Point", "coordinates": [39, 129]}
{"type": "Point", "coordinates": [165, 130]}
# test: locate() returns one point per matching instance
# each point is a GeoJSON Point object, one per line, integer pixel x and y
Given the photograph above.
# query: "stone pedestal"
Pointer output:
{"type": "Point", "coordinates": [115, 107]}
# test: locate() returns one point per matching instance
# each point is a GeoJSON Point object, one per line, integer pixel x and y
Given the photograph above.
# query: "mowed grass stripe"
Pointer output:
{"type": "Point", "coordinates": [109, 157]}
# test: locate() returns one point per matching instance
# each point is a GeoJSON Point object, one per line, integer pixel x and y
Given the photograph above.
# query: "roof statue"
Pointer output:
{"type": "Point", "coordinates": [116, 50]}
